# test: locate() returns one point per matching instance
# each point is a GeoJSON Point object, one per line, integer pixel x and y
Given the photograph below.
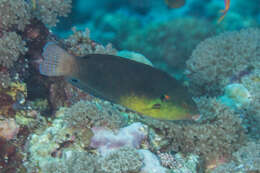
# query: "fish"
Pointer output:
{"type": "Point", "coordinates": [224, 11]}
{"type": "Point", "coordinates": [137, 86]}
{"type": "Point", "coordinates": [175, 3]}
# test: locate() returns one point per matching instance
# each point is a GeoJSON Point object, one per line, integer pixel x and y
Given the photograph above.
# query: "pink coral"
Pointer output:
{"type": "Point", "coordinates": [8, 129]}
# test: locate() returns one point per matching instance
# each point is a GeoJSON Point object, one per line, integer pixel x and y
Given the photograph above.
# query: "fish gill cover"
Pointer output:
{"type": "Point", "coordinates": [49, 124]}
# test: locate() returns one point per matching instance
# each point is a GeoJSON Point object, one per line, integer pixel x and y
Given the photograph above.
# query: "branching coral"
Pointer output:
{"type": "Point", "coordinates": [218, 59]}
{"type": "Point", "coordinates": [252, 83]}
{"type": "Point", "coordinates": [124, 160]}
{"type": "Point", "coordinates": [87, 114]}
{"type": "Point", "coordinates": [11, 47]}
{"type": "Point", "coordinates": [14, 13]}
{"type": "Point", "coordinates": [48, 11]}
{"type": "Point", "coordinates": [5, 80]}
{"type": "Point", "coordinates": [80, 44]}
{"type": "Point", "coordinates": [220, 134]}
{"type": "Point", "coordinates": [246, 159]}
{"type": "Point", "coordinates": [71, 162]}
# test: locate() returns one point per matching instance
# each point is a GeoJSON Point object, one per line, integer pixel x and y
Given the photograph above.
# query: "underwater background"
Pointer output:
{"type": "Point", "coordinates": [49, 124]}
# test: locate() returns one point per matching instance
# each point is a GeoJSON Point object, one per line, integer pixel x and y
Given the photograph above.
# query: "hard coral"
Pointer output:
{"type": "Point", "coordinates": [48, 11]}
{"type": "Point", "coordinates": [80, 44]}
{"type": "Point", "coordinates": [5, 80]}
{"type": "Point", "coordinates": [8, 129]}
{"type": "Point", "coordinates": [217, 136]}
{"type": "Point", "coordinates": [11, 47]}
{"type": "Point", "coordinates": [246, 159]}
{"type": "Point", "coordinates": [14, 13]}
{"type": "Point", "coordinates": [124, 160]}
{"type": "Point", "coordinates": [218, 59]}
{"type": "Point", "coordinates": [71, 162]}
{"type": "Point", "coordinates": [88, 114]}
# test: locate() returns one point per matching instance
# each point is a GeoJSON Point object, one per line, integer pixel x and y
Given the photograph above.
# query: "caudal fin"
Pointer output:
{"type": "Point", "coordinates": [56, 62]}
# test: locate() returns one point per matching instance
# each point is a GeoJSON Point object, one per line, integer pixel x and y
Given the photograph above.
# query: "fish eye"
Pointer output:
{"type": "Point", "coordinates": [73, 80]}
{"type": "Point", "coordinates": [164, 97]}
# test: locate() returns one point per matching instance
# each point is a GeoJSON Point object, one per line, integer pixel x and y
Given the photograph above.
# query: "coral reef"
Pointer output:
{"type": "Point", "coordinates": [8, 129]}
{"type": "Point", "coordinates": [236, 96]}
{"type": "Point", "coordinates": [95, 136]}
{"type": "Point", "coordinates": [87, 114]}
{"type": "Point", "coordinates": [246, 159]}
{"type": "Point", "coordinates": [71, 162]}
{"type": "Point", "coordinates": [48, 11]}
{"type": "Point", "coordinates": [5, 79]}
{"type": "Point", "coordinates": [252, 83]}
{"type": "Point", "coordinates": [123, 160]}
{"type": "Point", "coordinates": [11, 47]}
{"type": "Point", "coordinates": [218, 135]}
{"type": "Point", "coordinates": [106, 141]}
{"type": "Point", "coordinates": [178, 163]}
{"type": "Point", "coordinates": [15, 93]}
{"type": "Point", "coordinates": [151, 163]}
{"type": "Point", "coordinates": [71, 129]}
{"type": "Point", "coordinates": [80, 44]}
{"type": "Point", "coordinates": [224, 57]}
{"type": "Point", "coordinates": [14, 14]}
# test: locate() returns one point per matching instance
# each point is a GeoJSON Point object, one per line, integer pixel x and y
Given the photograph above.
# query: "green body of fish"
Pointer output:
{"type": "Point", "coordinates": [137, 86]}
{"type": "Point", "coordinates": [134, 85]}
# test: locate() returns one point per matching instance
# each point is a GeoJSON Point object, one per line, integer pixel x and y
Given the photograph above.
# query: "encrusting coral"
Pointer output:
{"type": "Point", "coordinates": [218, 60]}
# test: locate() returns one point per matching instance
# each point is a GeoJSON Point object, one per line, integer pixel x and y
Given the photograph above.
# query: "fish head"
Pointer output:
{"type": "Point", "coordinates": [166, 109]}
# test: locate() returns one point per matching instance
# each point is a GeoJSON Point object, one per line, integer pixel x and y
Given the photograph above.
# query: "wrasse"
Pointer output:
{"type": "Point", "coordinates": [224, 11]}
{"type": "Point", "coordinates": [134, 85]}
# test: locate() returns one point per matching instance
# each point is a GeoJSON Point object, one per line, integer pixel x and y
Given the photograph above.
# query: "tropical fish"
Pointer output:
{"type": "Point", "coordinates": [224, 11]}
{"type": "Point", "coordinates": [134, 85]}
{"type": "Point", "coordinates": [175, 3]}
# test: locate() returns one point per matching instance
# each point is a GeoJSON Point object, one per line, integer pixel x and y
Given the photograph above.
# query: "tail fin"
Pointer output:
{"type": "Point", "coordinates": [57, 62]}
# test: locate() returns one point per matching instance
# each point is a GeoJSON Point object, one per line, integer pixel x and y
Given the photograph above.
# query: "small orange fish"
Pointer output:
{"type": "Point", "coordinates": [175, 3]}
{"type": "Point", "coordinates": [224, 12]}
